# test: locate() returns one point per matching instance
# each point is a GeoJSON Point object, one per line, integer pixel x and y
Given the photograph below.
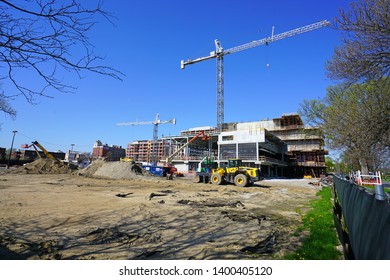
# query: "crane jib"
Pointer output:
{"type": "Point", "coordinates": [278, 37]}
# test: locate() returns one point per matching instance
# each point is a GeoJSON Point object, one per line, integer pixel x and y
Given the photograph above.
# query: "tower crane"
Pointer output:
{"type": "Point", "coordinates": [155, 123]}
{"type": "Point", "coordinates": [219, 53]}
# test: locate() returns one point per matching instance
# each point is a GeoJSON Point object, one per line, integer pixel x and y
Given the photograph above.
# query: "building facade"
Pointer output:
{"type": "Point", "coordinates": [305, 145]}
{"type": "Point", "coordinates": [255, 147]}
{"type": "Point", "coordinates": [144, 151]}
{"type": "Point", "coordinates": [112, 152]}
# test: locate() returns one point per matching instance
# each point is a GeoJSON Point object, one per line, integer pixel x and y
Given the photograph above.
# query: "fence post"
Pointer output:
{"type": "Point", "coordinates": [380, 192]}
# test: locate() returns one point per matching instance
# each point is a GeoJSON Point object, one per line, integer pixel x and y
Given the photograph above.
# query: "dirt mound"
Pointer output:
{"type": "Point", "coordinates": [45, 166]}
{"type": "Point", "coordinates": [113, 170]}
{"type": "Point", "coordinates": [92, 168]}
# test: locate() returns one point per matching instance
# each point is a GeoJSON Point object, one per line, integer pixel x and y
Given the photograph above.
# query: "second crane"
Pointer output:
{"type": "Point", "coordinates": [156, 123]}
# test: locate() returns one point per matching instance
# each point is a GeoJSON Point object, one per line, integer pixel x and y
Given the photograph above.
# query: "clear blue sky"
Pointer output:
{"type": "Point", "coordinates": [147, 43]}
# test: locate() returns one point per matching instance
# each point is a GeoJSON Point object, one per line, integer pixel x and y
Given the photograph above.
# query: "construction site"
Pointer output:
{"type": "Point", "coordinates": [109, 210]}
{"type": "Point", "coordinates": [121, 205]}
{"type": "Point", "coordinates": [281, 147]}
{"type": "Point", "coordinates": [236, 190]}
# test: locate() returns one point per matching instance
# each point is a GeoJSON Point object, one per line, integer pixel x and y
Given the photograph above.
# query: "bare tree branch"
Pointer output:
{"type": "Point", "coordinates": [365, 52]}
{"type": "Point", "coordinates": [45, 37]}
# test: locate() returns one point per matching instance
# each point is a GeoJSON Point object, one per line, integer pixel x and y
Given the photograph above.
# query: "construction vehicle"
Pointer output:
{"type": "Point", "coordinates": [36, 145]}
{"type": "Point", "coordinates": [207, 164]}
{"type": "Point", "coordinates": [126, 159]}
{"type": "Point", "coordinates": [204, 171]}
{"type": "Point", "coordinates": [235, 173]}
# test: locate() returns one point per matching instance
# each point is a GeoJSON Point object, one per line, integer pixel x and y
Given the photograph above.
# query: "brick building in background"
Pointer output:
{"type": "Point", "coordinates": [112, 152]}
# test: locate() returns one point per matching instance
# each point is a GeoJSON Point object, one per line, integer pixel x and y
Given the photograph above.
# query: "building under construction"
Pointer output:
{"type": "Point", "coordinates": [281, 147]}
{"type": "Point", "coordinates": [143, 150]}
{"type": "Point", "coordinates": [305, 145]}
{"type": "Point", "coordinates": [305, 155]}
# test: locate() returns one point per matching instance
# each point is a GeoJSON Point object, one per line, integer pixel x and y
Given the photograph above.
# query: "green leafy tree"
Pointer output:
{"type": "Point", "coordinates": [45, 38]}
{"type": "Point", "coordinates": [354, 118]}
{"type": "Point", "coordinates": [330, 164]}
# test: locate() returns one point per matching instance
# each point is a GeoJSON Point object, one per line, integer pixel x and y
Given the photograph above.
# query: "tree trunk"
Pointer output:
{"type": "Point", "coordinates": [363, 166]}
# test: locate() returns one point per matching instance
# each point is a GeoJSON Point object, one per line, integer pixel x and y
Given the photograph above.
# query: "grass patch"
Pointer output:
{"type": "Point", "coordinates": [372, 189]}
{"type": "Point", "coordinates": [322, 241]}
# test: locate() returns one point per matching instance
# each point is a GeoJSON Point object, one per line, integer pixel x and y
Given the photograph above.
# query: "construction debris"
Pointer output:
{"type": "Point", "coordinates": [266, 246]}
{"type": "Point", "coordinates": [123, 195]}
{"type": "Point", "coordinates": [156, 194]}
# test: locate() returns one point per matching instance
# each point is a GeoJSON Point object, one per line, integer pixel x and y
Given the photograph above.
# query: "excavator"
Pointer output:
{"type": "Point", "coordinates": [36, 145]}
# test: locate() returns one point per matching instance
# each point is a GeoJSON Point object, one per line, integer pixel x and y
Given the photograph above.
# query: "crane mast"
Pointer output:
{"type": "Point", "coordinates": [155, 123]}
{"type": "Point", "coordinates": [219, 53]}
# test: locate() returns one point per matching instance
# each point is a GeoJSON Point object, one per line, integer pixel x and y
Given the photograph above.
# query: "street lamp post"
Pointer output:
{"type": "Point", "coordinates": [71, 156]}
{"type": "Point", "coordinates": [12, 145]}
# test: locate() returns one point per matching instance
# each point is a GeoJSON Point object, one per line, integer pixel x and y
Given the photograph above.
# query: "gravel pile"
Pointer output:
{"type": "Point", "coordinates": [113, 170]}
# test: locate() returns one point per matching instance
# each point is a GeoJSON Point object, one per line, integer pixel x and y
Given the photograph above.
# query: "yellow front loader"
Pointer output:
{"type": "Point", "coordinates": [235, 173]}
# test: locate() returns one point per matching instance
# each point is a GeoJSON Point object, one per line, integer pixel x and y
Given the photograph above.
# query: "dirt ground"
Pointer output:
{"type": "Point", "coordinates": [74, 216]}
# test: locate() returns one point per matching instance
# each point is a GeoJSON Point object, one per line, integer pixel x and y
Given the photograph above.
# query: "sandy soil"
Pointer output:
{"type": "Point", "coordinates": [68, 216]}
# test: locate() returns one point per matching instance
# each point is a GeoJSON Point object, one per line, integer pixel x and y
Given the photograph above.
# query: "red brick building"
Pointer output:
{"type": "Point", "coordinates": [113, 152]}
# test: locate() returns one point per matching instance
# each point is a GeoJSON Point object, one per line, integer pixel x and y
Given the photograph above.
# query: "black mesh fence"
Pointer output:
{"type": "Point", "coordinates": [362, 221]}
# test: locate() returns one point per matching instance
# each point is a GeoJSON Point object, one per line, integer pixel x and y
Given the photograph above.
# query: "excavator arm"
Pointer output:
{"type": "Point", "coordinates": [169, 159]}
{"type": "Point", "coordinates": [36, 144]}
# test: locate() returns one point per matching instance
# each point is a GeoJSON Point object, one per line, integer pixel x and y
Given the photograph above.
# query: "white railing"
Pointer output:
{"type": "Point", "coordinates": [371, 179]}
